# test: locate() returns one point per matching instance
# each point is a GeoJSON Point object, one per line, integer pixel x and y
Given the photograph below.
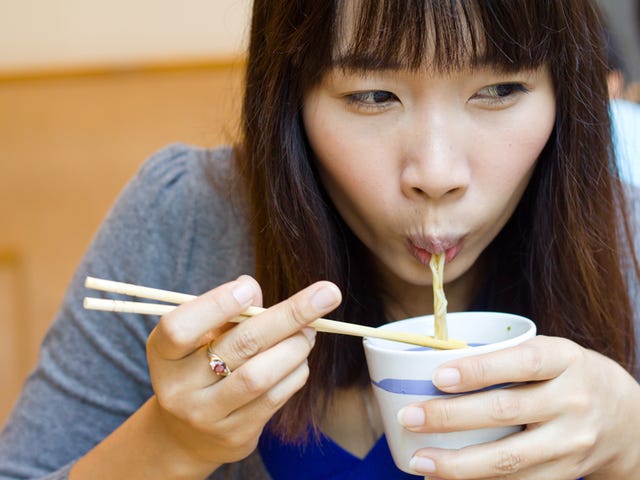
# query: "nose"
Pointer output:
{"type": "Point", "coordinates": [435, 163]}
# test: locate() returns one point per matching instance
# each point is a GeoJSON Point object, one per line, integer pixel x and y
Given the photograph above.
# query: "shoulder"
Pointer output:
{"type": "Point", "coordinates": [181, 218]}
{"type": "Point", "coordinates": [178, 160]}
{"type": "Point", "coordinates": [185, 173]}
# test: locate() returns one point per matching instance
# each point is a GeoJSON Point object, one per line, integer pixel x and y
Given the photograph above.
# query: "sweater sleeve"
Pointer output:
{"type": "Point", "coordinates": [92, 372]}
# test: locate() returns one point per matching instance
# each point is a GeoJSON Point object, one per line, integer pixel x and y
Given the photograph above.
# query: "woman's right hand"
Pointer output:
{"type": "Point", "coordinates": [214, 419]}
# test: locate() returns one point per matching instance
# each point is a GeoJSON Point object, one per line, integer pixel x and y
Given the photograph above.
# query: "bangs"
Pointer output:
{"type": "Point", "coordinates": [509, 35]}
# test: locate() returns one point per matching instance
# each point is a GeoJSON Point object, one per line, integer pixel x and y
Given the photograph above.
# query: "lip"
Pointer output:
{"type": "Point", "coordinates": [423, 248]}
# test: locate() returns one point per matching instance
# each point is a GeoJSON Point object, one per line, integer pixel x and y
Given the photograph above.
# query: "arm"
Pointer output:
{"type": "Point", "coordinates": [197, 420]}
{"type": "Point", "coordinates": [92, 373]}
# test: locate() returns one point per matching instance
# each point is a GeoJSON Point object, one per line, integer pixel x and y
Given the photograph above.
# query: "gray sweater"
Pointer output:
{"type": "Point", "coordinates": [173, 227]}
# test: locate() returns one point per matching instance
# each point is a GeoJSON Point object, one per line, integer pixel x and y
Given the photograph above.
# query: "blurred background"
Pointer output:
{"type": "Point", "coordinates": [88, 90]}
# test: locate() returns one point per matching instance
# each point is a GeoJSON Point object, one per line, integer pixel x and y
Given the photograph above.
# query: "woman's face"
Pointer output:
{"type": "Point", "coordinates": [419, 163]}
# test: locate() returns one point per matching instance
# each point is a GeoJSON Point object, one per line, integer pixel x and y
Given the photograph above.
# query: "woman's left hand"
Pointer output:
{"type": "Point", "coordinates": [580, 409]}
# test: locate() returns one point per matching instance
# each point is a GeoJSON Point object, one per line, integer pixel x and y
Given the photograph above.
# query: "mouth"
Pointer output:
{"type": "Point", "coordinates": [423, 248]}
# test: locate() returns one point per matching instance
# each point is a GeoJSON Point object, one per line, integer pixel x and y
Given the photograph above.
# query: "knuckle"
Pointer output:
{"type": "Point", "coordinates": [507, 462]}
{"type": "Point", "coordinates": [236, 442]}
{"type": "Point", "coordinates": [195, 417]}
{"type": "Point", "coordinates": [174, 331]}
{"type": "Point", "coordinates": [214, 303]}
{"type": "Point", "coordinates": [245, 344]}
{"type": "Point", "coordinates": [585, 442]}
{"type": "Point", "coordinates": [166, 402]}
{"type": "Point", "coordinates": [251, 384]}
{"type": "Point", "coordinates": [580, 403]}
{"type": "Point", "coordinates": [478, 369]}
{"type": "Point", "coordinates": [301, 377]}
{"type": "Point", "coordinates": [173, 403]}
{"type": "Point", "coordinates": [574, 352]}
{"type": "Point", "coordinates": [301, 347]}
{"type": "Point", "coordinates": [439, 415]}
{"type": "Point", "coordinates": [532, 359]}
{"type": "Point", "coordinates": [296, 315]}
{"type": "Point", "coordinates": [304, 375]}
{"type": "Point", "coordinates": [275, 398]}
{"type": "Point", "coordinates": [504, 406]}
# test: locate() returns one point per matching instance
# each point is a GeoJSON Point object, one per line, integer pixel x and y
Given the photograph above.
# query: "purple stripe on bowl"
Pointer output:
{"type": "Point", "coordinates": [417, 349]}
{"type": "Point", "coordinates": [420, 387]}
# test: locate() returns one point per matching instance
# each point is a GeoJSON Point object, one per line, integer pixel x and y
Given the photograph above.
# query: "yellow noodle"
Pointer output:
{"type": "Point", "coordinates": [439, 300]}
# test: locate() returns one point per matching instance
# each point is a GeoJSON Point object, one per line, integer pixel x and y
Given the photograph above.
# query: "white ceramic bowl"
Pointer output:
{"type": "Point", "coordinates": [401, 374]}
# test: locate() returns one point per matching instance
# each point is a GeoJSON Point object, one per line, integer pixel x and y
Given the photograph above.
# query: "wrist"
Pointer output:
{"type": "Point", "coordinates": [183, 462]}
{"type": "Point", "coordinates": [142, 447]}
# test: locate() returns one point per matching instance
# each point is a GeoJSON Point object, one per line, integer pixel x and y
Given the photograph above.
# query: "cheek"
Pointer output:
{"type": "Point", "coordinates": [347, 160]}
{"type": "Point", "coordinates": [515, 156]}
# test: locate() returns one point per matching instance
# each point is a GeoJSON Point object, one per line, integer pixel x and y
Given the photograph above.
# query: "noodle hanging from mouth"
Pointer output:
{"type": "Point", "coordinates": [439, 300]}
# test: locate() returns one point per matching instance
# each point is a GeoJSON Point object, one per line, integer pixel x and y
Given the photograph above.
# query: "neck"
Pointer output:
{"type": "Point", "coordinates": [353, 420]}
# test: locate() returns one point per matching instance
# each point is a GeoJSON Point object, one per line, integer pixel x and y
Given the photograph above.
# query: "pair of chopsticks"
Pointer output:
{"type": "Point", "coordinates": [321, 325]}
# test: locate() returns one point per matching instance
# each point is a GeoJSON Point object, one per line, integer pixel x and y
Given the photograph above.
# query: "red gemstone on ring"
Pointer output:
{"type": "Point", "coordinates": [219, 367]}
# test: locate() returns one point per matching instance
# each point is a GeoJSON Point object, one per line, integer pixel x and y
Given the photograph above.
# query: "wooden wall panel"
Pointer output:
{"type": "Point", "coordinates": [67, 147]}
{"type": "Point", "coordinates": [13, 329]}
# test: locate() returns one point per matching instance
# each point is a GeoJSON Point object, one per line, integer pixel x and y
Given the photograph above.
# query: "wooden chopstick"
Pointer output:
{"type": "Point", "coordinates": [321, 325]}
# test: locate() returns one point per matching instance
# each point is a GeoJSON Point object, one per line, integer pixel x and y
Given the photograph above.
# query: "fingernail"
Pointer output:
{"type": "Point", "coordinates": [325, 297]}
{"type": "Point", "coordinates": [411, 417]}
{"type": "Point", "coordinates": [243, 293]}
{"type": "Point", "coordinates": [310, 333]}
{"type": "Point", "coordinates": [422, 464]}
{"type": "Point", "coordinates": [446, 377]}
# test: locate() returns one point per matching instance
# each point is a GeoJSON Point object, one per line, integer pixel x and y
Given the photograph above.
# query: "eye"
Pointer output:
{"type": "Point", "coordinates": [371, 100]}
{"type": "Point", "coordinates": [500, 94]}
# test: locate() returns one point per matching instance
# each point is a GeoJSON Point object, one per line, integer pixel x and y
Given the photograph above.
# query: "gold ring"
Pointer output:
{"type": "Point", "coordinates": [218, 366]}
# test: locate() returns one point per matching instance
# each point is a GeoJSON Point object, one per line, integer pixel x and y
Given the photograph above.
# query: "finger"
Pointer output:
{"type": "Point", "coordinates": [189, 326]}
{"type": "Point", "coordinates": [208, 406]}
{"type": "Point", "coordinates": [257, 334]}
{"type": "Point", "coordinates": [511, 455]}
{"type": "Point", "coordinates": [540, 358]}
{"type": "Point", "coordinates": [239, 431]}
{"type": "Point", "coordinates": [498, 407]}
{"type": "Point", "coordinates": [262, 408]}
{"type": "Point", "coordinates": [259, 375]}
{"type": "Point", "coordinates": [190, 373]}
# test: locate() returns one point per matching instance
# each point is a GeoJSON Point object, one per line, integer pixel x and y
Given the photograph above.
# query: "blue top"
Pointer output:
{"type": "Point", "coordinates": [325, 459]}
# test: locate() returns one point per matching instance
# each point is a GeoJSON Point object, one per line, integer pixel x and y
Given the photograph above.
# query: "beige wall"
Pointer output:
{"type": "Point", "coordinates": [36, 34]}
{"type": "Point", "coordinates": [70, 141]}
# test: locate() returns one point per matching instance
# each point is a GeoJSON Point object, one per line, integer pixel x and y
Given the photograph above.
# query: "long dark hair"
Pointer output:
{"type": "Point", "coordinates": [559, 258]}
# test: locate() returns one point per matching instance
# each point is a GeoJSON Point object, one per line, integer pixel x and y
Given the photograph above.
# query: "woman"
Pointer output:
{"type": "Point", "coordinates": [376, 134]}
